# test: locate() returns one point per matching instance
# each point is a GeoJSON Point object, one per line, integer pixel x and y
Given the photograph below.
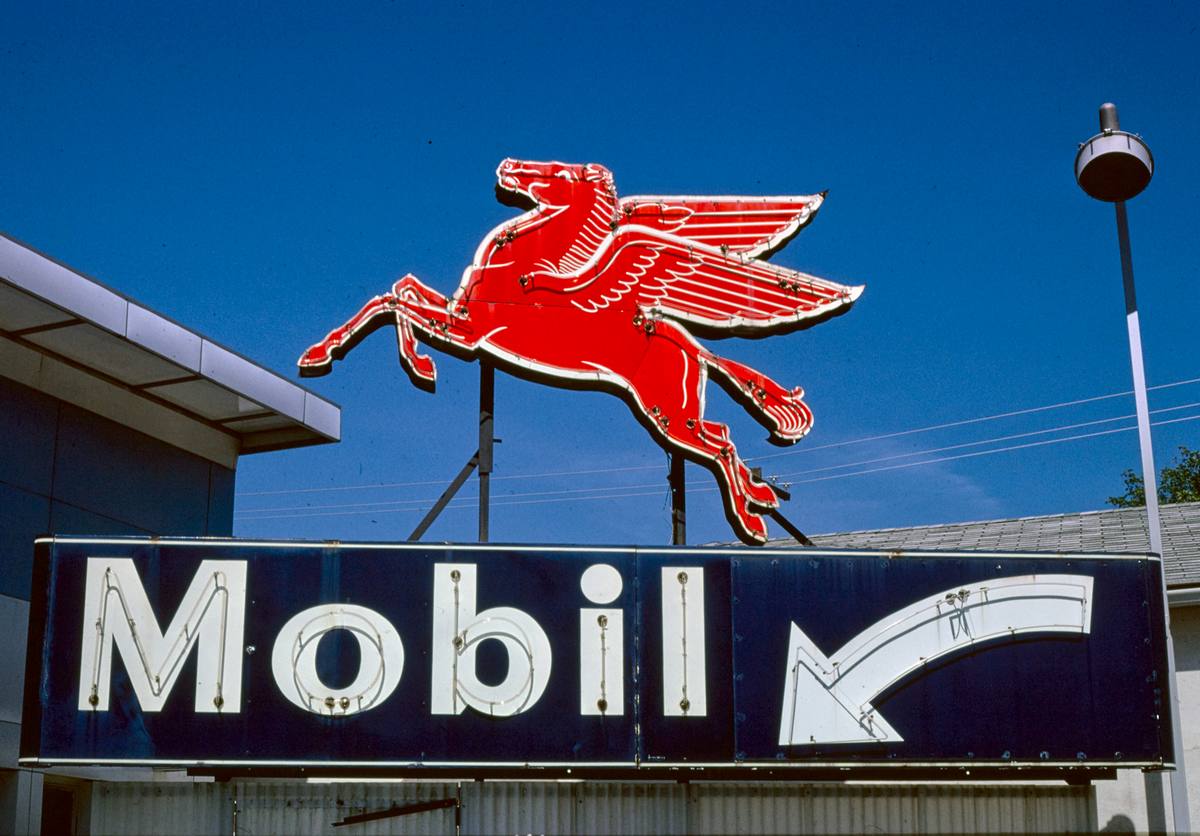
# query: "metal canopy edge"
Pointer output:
{"type": "Point", "coordinates": [143, 357]}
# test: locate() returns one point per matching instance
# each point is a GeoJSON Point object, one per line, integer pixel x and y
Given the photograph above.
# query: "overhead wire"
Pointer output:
{"type": "Point", "coordinates": [763, 457]}
{"type": "Point", "coordinates": [420, 502]}
{"type": "Point", "coordinates": [997, 450]}
{"type": "Point", "coordinates": [629, 491]}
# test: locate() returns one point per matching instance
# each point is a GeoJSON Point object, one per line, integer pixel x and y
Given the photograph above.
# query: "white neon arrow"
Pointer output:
{"type": "Point", "coordinates": [827, 699]}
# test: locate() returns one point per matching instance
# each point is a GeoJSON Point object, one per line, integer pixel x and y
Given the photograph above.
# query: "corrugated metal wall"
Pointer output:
{"type": "Point", "coordinates": [594, 807]}
{"type": "Point", "coordinates": [161, 809]}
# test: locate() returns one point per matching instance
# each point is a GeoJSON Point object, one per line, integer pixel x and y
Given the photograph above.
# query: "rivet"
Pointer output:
{"type": "Point", "coordinates": [602, 620]}
{"type": "Point", "coordinates": [602, 704]}
{"type": "Point", "coordinates": [455, 575]}
{"type": "Point", "coordinates": [218, 701]}
{"type": "Point", "coordinates": [685, 704]}
{"type": "Point", "coordinates": [458, 642]}
{"type": "Point", "coordinates": [681, 577]}
{"type": "Point", "coordinates": [344, 702]}
{"type": "Point", "coordinates": [329, 703]}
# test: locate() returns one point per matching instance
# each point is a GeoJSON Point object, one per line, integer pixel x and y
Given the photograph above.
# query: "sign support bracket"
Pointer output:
{"type": "Point", "coordinates": [777, 515]}
{"type": "Point", "coordinates": [678, 501]}
{"type": "Point", "coordinates": [482, 459]}
{"type": "Point", "coordinates": [445, 498]}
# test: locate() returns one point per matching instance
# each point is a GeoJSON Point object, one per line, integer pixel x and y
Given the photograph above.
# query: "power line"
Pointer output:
{"type": "Point", "coordinates": [419, 502]}
{"type": "Point", "coordinates": [997, 450]}
{"type": "Point", "coordinates": [807, 449]}
{"type": "Point", "coordinates": [1013, 437]}
{"type": "Point", "coordinates": [709, 489]}
{"type": "Point", "coordinates": [967, 421]}
{"type": "Point", "coordinates": [396, 503]}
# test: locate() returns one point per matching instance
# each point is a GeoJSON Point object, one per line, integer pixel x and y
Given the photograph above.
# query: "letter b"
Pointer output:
{"type": "Point", "coordinates": [458, 630]}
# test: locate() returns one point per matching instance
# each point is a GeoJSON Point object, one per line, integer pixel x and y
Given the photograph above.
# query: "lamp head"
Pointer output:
{"type": "Point", "coordinates": [1114, 165]}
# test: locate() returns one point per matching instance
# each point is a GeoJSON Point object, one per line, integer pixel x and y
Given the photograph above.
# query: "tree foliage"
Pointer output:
{"type": "Point", "coordinates": [1178, 482]}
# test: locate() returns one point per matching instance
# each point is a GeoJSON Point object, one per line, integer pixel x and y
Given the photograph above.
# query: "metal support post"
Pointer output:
{"type": "Point", "coordinates": [487, 405]}
{"type": "Point", "coordinates": [1178, 778]}
{"type": "Point", "coordinates": [678, 501]}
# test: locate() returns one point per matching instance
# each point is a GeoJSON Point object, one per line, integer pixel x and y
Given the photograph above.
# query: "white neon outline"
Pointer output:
{"type": "Point", "coordinates": [801, 218]}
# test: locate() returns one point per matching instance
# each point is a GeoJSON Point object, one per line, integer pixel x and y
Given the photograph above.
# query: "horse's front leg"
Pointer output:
{"type": "Point", "coordinates": [318, 359]}
{"type": "Point", "coordinates": [412, 307]}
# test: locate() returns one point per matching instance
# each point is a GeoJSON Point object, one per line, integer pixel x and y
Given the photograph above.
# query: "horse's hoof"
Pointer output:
{"type": "Point", "coordinates": [315, 362]}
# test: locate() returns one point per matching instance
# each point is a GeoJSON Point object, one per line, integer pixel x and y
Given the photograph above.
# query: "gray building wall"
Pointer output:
{"type": "Point", "coordinates": [64, 470]}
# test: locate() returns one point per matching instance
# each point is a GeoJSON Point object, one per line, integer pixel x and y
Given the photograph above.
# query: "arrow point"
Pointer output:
{"type": "Point", "coordinates": [814, 712]}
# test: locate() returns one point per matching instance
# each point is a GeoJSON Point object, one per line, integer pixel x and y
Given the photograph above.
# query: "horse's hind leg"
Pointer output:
{"type": "Point", "coordinates": [780, 410]}
{"type": "Point", "coordinates": [758, 493]}
{"type": "Point", "coordinates": [669, 390]}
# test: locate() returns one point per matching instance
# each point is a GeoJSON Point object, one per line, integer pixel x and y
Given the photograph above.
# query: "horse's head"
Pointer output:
{"type": "Point", "coordinates": [526, 184]}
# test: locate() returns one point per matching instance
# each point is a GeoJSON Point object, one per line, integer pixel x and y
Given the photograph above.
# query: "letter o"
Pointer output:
{"type": "Point", "coordinates": [294, 659]}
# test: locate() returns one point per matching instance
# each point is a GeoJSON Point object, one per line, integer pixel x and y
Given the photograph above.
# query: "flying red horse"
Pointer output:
{"type": "Point", "coordinates": [586, 290]}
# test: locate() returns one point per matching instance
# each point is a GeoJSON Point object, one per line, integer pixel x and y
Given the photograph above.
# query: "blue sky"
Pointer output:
{"type": "Point", "coordinates": [258, 171]}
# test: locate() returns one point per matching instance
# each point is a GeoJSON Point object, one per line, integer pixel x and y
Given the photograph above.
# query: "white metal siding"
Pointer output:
{"type": "Point", "coordinates": [160, 809]}
{"type": "Point", "coordinates": [300, 808]}
{"type": "Point", "coordinates": [594, 807]}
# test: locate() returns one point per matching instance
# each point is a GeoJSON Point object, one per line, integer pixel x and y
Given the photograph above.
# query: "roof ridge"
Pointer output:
{"type": "Point", "coordinates": [1039, 517]}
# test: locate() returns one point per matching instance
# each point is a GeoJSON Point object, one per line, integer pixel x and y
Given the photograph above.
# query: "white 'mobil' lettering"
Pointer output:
{"type": "Point", "coordinates": [601, 644]}
{"type": "Point", "coordinates": [117, 614]}
{"type": "Point", "coordinates": [457, 633]}
{"type": "Point", "coordinates": [294, 659]}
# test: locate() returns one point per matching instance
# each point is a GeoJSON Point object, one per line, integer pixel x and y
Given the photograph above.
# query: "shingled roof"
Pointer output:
{"type": "Point", "coordinates": [1119, 531]}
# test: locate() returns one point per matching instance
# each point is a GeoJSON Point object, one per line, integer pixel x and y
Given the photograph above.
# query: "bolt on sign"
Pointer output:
{"type": "Point", "coordinates": [588, 290]}
{"type": "Point", "coordinates": [211, 654]}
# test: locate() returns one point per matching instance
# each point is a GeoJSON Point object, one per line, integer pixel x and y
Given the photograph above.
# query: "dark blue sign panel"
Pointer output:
{"type": "Point", "coordinates": [243, 654]}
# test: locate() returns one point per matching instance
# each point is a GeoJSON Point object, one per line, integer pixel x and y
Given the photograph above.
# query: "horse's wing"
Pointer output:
{"type": "Point", "coordinates": [713, 293]}
{"type": "Point", "coordinates": [754, 226]}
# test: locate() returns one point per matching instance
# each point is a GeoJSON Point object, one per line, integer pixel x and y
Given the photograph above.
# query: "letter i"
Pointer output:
{"type": "Point", "coordinates": [601, 644]}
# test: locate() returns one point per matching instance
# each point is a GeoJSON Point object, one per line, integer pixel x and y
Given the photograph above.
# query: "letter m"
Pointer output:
{"type": "Point", "coordinates": [118, 618]}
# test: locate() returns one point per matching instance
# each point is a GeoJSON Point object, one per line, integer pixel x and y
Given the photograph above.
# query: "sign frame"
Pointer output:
{"type": "Point", "coordinates": [723, 663]}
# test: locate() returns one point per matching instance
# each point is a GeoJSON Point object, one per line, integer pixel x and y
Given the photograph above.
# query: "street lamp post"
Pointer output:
{"type": "Point", "coordinates": [1114, 166]}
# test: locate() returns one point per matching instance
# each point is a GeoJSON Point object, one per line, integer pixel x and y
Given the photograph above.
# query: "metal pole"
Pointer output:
{"type": "Point", "coordinates": [678, 501]}
{"type": "Point", "coordinates": [1179, 800]}
{"type": "Point", "coordinates": [1149, 479]}
{"type": "Point", "coordinates": [487, 405]}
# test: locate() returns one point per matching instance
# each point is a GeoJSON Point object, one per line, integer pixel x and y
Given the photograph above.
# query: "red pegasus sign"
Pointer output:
{"type": "Point", "coordinates": [586, 290]}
